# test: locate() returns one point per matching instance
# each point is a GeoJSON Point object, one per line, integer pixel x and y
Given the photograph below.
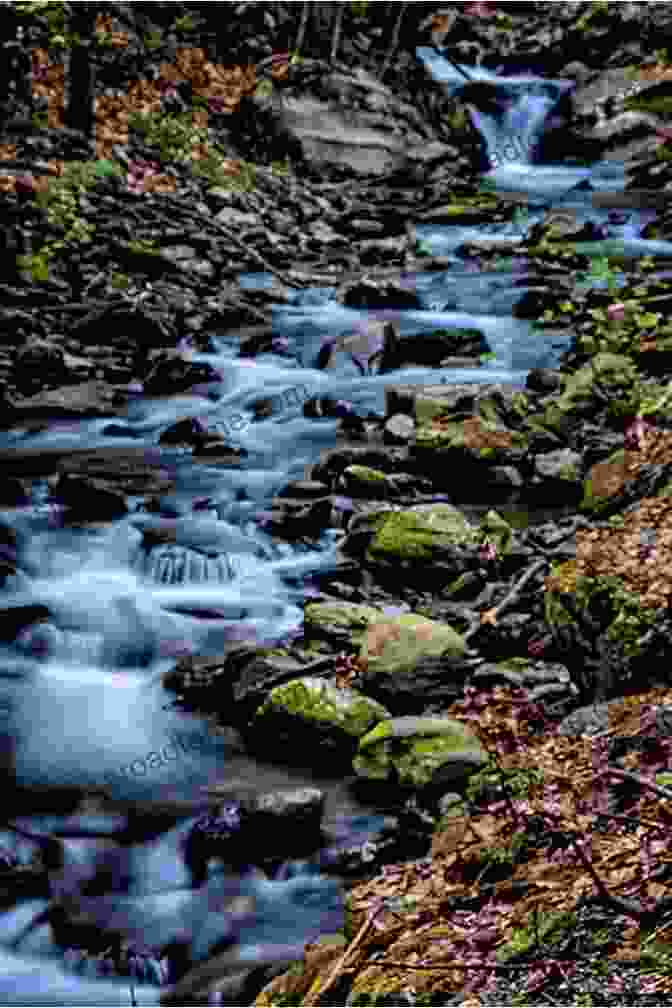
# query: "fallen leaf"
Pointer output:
{"type": "Point", "coordinates": [489, 616]}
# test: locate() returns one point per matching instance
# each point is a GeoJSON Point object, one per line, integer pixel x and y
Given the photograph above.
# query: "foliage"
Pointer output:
{"type": "Point", "coordinates": [548, 930]}
{"type": "Point", "coordinates": [143, 246]}
{"type": "Point", "coordinates": [174, 135]}
{"type": "Point", "coordinates": [215, 171]}
{"type": "Point", "coordinates": [153, 40]}
{"type": "Point", "coordinates": [517, 782]}
{"type": "Point", "coordinates": [184, 24]}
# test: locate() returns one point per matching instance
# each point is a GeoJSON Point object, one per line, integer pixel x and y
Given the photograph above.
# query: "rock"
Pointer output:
{"type": "Point", "coordinates": [341, 625]}
{"type": "Point", "coordinates": [372, 294]}
{"type": "Point", "coordinates": [122, 470]}
{"type": "Point", "coordinates": [335, 461]}
{"type": "Point", "coordinates": [88, 399]}
{"type": "Point", "coordinates": [543, 380]}
{"type": "Point", "coordinates": [361, 141]}
{"type": "Point", "coordinates": [421, 534]}
{"type": "Point", "coordinates": [260, 829]}
{"type": "Point", "coordinates": [362, 481]}
{"type": "Point", "coordinates": [112, 325]}
{"type": "Point", "coordinates": [559, 469]}
{"type": "Point", "coordinates": [398, 430]}
{"type": "Point", "coordinates": [392, 647]}
{"type": "Point", "coordinates": [304, 489]}
{"type": "Point", "coordinates": [172, 374]}
{"type": "Point", "coordinates": [299, 517]}
{"type": "Point", "coordinates": [548, 682]}
{"type": "Point", "coordinates": [423, 754]}
{"type": "Point", "coordinates": [89, 498]}
{"type": "Point", "coordinates": [38, 364]}
{"type": "Point", "coordinates": [311, 714]}
{"type": "Point", "coordinates": [13, 493]}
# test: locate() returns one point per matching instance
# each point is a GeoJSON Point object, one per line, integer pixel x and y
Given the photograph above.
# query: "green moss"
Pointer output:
{"type": "Point", "coordinates": [543, 929]}
{"type": "Point", "coordinates": [517, 782]}
{"type": "Point", "coordinates": [413, 535]}
{"type": "Point", "coordinates": [313, 704]}
{"type": "Point", "coordinates": [365, 474]}
{"type": "Point", "coordinates": [630, 620]}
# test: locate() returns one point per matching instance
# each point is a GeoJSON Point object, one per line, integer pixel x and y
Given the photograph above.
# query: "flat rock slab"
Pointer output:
{"type": "Point", "coordinates": [134, 470]}
{"type": "Point", "coordinates": [88, 399]}
{"type": "Point", "coordinates": [402, 398]}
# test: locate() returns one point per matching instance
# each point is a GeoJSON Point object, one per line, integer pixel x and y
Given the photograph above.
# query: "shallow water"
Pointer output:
{"type": "Point", "coordinates": [81, 700]}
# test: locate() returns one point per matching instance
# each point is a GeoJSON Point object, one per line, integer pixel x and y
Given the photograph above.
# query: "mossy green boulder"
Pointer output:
{"type": "Point", "coordinates": [416, 533]}
{"type": "Point", "coordinates": [498, 531]}
{"type": "Point", "coordinates": [340, 623]}
{"type": "Point", "coordinates": [363, 481]}
{"type": "Point", "coordinates": [422, 752]}
{"type": "Point", "coordinates": [422, 534]}
{"type": "Point", "coordinates": [312, 703]}
{"type": "Point", "coordinates": [393, 646]}
{"type": "Point", "coordinates": [473, 438]}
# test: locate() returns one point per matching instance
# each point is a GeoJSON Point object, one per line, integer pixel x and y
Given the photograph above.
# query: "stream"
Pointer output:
{"type": "Point", "coordinates": [81, 698]}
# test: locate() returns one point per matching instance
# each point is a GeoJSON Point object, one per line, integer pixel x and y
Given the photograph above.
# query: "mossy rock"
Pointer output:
{"type": "Point", "coordinates": [322, 620]}
{"type": "Point", "coordinates": [316, 702]}
{"type": "Point", "coordinates": [498, 531]}
{"type": "Point", "coordinates": [421, 751]}
{"type": "Point", "coordinates": [475, 438]}
{"type": "Point", "coordinates": [616, 374]}
{"type": "Point", "coordinates": [363, 481]}
{"type": "Point", "coordinates": [605, 479]}
{"type": "Point", "coordinates": [394, 646]}
{"type": "Point", "coordinates": [630, 619]}
{"type": "Point", "coordinates": [414, 534]}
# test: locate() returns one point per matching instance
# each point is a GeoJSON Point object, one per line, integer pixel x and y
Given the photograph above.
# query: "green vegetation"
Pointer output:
{"type": "Point", "coordinates": [143, 246]}
{"type": "Point", "coordinates": [185, 24]}
{"type": "Point", "coordinates": [174, 135]}
{"type": "Point", "coordinates": [153, 40]}
{"type": "Point", "coordinates": [62, 207]}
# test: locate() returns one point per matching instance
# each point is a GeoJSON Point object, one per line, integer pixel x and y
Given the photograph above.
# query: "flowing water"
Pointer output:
{"type": "Point", "coordinates": [82, 700]}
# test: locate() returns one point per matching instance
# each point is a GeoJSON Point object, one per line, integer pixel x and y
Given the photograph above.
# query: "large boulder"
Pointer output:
{"type": "Point", "coordinates": [312, 719]}
{"type": "Point", "coordinates": [366, 139]}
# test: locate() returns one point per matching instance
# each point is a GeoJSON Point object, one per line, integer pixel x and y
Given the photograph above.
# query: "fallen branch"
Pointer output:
{"type": "Point", "coordinates": [509, 599]}
{"type": "Point", "coordinates": [340, 967]}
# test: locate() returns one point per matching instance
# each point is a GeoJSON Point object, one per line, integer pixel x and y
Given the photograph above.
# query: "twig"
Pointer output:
{"type": "Point", "coordinates": [513, 594]}
{"type": "Point", "coordinates": [314, 999]}
{"type": "Point", "coordinates": [335, 38]}
{"type": "Point", "coordinates": [301, 34]}
{"type": "Point", "coordinates": [394, 41]}
{"type": "Point", "coordinates": [247, 249]}
{"type": "Point", "coordinates": [628, 775]}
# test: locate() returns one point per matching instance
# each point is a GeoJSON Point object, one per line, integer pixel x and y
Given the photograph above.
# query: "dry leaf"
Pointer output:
{"type": "Point", "coordinates": [489, 616]}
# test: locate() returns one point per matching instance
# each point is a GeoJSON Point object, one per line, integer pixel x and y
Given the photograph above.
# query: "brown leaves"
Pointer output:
{"type": "Point", "coordinates": [489, 616]}
{"type": "Point", "coordinates": [377, 636]}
